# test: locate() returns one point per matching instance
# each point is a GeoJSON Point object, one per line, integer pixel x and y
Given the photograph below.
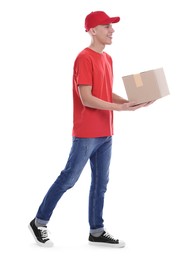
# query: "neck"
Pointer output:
{"type": "Point", "coordinates": [97, 48]}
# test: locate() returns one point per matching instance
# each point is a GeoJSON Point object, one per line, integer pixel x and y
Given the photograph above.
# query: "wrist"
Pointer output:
{"type": "Point", "coordinates": [116, 107]}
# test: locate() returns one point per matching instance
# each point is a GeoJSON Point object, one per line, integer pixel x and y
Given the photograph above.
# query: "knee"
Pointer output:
{"type": "Point", "coordinates": [66, 181]}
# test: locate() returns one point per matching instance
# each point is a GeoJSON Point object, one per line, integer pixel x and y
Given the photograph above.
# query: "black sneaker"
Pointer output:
{"type": "Point", "coordinates": [40, 234]}
{"type": "Point", "coordinates": [105, 240]}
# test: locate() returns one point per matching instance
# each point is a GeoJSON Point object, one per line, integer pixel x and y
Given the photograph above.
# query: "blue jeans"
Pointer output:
{"type": "Point", "coordinates": [98, 150]}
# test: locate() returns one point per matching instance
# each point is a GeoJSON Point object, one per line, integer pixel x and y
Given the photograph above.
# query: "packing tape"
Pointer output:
{"type": "Point", "coordinates": [138, 80]}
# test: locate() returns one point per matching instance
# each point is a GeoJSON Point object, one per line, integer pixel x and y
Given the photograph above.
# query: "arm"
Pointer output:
{"type": "Point", "coordinates": [91, 101]}
{"type": "Point", "coordinates": [118, 104]}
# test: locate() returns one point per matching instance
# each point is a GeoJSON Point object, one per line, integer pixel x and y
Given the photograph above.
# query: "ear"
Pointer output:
{"type": "Point", "coordinates": [93, 31]}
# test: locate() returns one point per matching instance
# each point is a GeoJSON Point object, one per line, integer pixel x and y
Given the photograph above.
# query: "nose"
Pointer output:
{"type": "Point", "coordinates": [111, 29]}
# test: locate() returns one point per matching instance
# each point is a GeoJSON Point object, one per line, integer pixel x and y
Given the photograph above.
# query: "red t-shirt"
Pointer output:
{"type": "Point", "coordinates": [93, 69]}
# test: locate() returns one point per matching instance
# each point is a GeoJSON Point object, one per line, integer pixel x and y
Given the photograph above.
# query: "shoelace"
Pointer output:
{"type": "Point", "coordinates": [107, 235]}
{"type": "Point", "coordinates": [44, 232]}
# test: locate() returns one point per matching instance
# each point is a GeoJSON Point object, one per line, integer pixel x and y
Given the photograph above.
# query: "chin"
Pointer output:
{"type": "Point", "coordinates": [109, 42]}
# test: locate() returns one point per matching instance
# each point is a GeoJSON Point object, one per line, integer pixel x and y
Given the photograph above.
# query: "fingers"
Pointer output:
{"type": "Point", "coordinates": [135, 107]}
{"type": "Point", "coordinates": [149, 103]}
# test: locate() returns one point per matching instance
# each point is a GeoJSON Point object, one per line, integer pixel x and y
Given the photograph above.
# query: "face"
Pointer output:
{"type": "Point", "coordinates": [103, 33]}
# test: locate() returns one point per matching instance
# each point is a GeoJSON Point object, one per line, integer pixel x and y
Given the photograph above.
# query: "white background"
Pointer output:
{"type": "Point", "coordinates": [149, 195]}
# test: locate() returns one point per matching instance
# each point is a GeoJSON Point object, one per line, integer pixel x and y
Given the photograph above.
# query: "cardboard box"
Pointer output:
{"type": "Point", "coordinates": [146, 86]}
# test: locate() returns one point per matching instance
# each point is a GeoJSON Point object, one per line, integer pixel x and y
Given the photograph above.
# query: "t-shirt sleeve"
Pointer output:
{"type": "Point", "coordinates": [83, 70]}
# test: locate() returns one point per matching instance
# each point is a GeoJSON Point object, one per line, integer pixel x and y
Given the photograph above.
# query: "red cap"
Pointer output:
{"type": "Point", "coordinates": [98, 18]}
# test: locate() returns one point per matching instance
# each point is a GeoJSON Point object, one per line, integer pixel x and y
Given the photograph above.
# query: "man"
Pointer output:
{"type": "Point", "coordinates": [93, 106]}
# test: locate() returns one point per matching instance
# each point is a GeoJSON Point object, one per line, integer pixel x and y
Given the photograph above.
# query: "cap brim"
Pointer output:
{"type": "Point", "coordinates": [112, 20]}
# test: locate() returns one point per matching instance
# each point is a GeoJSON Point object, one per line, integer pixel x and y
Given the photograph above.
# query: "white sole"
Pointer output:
{"type": "Point", "coordinates": [120, 245]}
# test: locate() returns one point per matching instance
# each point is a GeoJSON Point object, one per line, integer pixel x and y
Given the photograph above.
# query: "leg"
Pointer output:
{"type": "Point", "coordinates": [79, 155]}
{"type": "Point", "coordinates": [100, 162]}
